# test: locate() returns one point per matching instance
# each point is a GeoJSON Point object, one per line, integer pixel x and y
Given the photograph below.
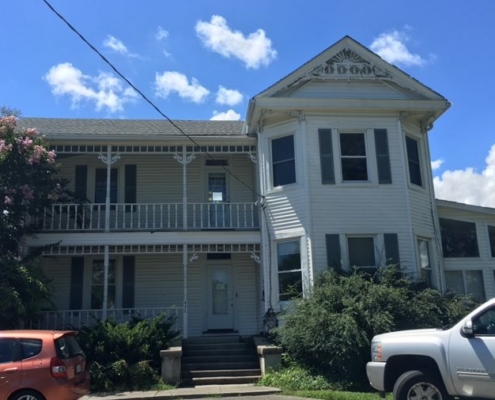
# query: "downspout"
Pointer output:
{"type": "Point", "coordinates": [184, 310]}
{"type": "Point", "coordinates": [434, 215]}
{"type": "Point", "coordinates": [407, 191]}
{"type": "Point", "coordinates": [309, 230]}
{"type": "Point", "coordinates": [184, 246]}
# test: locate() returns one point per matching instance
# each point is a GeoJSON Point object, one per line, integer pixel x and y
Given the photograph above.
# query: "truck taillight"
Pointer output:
{"type": "Point", "coordinates": [58, 368]}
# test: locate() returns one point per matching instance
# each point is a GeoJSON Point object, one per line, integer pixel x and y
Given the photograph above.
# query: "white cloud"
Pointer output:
{"type": "Point", "coordinates": [229, 115]}
{"type": "Point", "coordinates": [171, 81]}
{"type": "Point", "coordinates": [469, 186]}
{"type": "Point", "coordinates": [392, 48]}
{"type": "Point", "coordinates": [228, 97]}
{"type": "Point", "coordinates": [118, 46]}
{"type": "Point", "coordinates": [254, 50]}
{"type": "Point", "coordinates": [105, 90]}
{"type": "Point", "coordinates": [161, 34]}
{"type": "Point", "coordinates": [436, 164]}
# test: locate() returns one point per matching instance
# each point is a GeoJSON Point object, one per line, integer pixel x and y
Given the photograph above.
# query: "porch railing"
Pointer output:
{"type": "Point", "coordinates": [76, 319]}
{"type": "Point", "coordinates": [150, 216]}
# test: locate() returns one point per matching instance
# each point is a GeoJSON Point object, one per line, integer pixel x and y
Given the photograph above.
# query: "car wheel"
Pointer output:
{"type": "Point", "coordinates": [27, 395]}
{"type": "Point", "coordinates": [417, 385]}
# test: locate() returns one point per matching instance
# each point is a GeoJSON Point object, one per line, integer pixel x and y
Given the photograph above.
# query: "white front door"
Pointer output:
{"type": "Point", "coordinates": [220, 300]}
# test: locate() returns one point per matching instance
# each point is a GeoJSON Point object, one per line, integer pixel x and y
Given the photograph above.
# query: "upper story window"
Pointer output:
{"type": "Point", "coordinates": [283, 161]}
{"type": "Point", "coordinates": [353, 157]}
{"type": "Point", "coordinates": [459, 238]}
{"type": "Point", "coordinates": [413, 161]}
{"type": "Point", "coordinates": [491, 237]}
{"type": "Point", "coordinates": [289, 270]}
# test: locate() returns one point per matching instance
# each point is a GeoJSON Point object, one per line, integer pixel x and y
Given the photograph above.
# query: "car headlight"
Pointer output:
{"type": "Point", "coordinates": [376, 351]}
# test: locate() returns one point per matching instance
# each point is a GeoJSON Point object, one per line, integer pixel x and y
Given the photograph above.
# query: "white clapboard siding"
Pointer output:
{"type": "Point", "coordinates": [160, 176]}
{"type": "Point", "coordinates": [351, 90]}
{"type": "Point", "coordinates": [367, 208]}
{"type": "Point", "coordinates": [248, 294]}
{"type": "Point", "coordinates": [57, 270]}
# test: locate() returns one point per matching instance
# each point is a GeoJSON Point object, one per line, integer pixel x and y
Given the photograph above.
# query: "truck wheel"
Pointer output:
{"type": "Point", "coordinates": [417, 385]}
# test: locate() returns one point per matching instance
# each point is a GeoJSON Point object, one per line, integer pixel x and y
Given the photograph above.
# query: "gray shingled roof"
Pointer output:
{"type": "Point", "coordinates": [66, 127]}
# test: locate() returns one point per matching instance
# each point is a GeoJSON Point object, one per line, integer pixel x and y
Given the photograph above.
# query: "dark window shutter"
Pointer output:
{"type": "Point", "coordinates": [391, 248]}
{"type": "Point", "coordinates": [128, 281]}
{"type": "Point", "coordinates": [333, 250]}
{"type": "Point", "coordinates": [76, 283]}
{"type": "Point", "coordinates": [130, 183]}
{"type": "Point", "coordinates": [80, 182]}
{"type": "Point", "coordinates": [326, 156]}
{"type": "Point", "coordinates": [382, 156]}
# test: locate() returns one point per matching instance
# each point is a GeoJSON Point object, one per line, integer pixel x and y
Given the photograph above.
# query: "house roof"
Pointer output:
{"type": "Point", "coordinates": [465, 207]}
{"type": "Point", "coordinates": [67, 128]}
{"type": "Point", "coordinates": [358, 63]}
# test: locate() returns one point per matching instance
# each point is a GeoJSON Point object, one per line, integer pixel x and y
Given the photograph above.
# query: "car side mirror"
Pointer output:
{"type": "Point", "coordinates": [467, 329]}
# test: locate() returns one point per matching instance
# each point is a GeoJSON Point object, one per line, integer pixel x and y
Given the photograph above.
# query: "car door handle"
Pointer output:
{"type": "Point", "coordinates": [11, 370]}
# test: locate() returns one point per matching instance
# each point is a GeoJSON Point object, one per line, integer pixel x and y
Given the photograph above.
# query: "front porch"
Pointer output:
{"type": "Point", "coordinates": [205, 288]}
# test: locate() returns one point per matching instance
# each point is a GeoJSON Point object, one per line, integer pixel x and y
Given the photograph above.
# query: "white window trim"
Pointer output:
{"type": "Point", "coordinates": [422, 167]}
{"type": "Point", "coordinates": [88, 279]}
{"type": "Point", "coordinates": [271, 186]}
{"type": "Point", "coordinates": [275, 274]}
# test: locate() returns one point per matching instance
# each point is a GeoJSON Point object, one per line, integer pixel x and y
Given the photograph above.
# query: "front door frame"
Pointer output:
{"type": "Point", "coordinates": [229, 322]}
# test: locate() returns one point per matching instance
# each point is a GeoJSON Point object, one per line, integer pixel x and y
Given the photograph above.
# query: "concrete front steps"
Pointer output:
{"type": "Point", "coordinates": [219, 360]}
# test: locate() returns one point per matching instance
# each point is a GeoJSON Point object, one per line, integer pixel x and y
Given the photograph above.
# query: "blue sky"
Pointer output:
{"type": "Point", "coordinates": [203, 59]}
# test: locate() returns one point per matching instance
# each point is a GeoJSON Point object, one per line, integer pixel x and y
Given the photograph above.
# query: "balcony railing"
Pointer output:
{"type": "Point", "coordinates": [150, 216]}
{"type": "Point", "coordinates": [76, 319]}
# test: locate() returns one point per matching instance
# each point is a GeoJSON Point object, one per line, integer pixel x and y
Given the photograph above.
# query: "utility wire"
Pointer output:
{"type": "Point", "coordinates": [146, 98]}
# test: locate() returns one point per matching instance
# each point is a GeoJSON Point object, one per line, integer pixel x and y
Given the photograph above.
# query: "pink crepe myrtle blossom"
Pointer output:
{"type": "Point", "coordinates": [27, 192]}
{"type": "Point", "coordinates": [23, 144]}
{"type": "Point", "coordinates": [38, 153]}
{"type": "Point", "coordinates": [8, 201]}
{"type": "Point", "coordinates": [9, 122]}
{"type": "Point", "coordinates": [5, 148]}
{"type": "Point", "coordinates": [51, 156]}
{"type": "Point", "coordinates": [31, 132]}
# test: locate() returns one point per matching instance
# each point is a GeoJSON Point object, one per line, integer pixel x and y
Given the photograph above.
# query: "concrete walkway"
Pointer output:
{"type": "Point", "coordinates": [189, 393]}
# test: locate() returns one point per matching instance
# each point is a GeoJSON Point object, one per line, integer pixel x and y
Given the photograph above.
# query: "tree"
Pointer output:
{"type": "Point", "coordinates": [28, 185]}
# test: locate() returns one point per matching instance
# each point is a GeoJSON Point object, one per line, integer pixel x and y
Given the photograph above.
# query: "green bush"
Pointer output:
{"type": "Point", "coordinates": [330, 331]}
{"type": "Point", "coordinates": [126, 356]}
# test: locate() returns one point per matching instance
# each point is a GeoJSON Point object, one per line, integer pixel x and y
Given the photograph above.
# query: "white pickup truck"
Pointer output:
{"type": "Point", "coordinates": [438, 364]}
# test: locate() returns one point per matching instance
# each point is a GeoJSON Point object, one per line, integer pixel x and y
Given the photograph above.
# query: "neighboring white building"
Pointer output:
{"type": "Point", "coordinates": [331, 167]}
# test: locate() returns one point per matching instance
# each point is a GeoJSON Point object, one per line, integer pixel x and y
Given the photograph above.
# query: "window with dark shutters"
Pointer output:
{"type": "Point", "coordinates": [81, 182]}
{"type": "Point", "coordinates": [130, 194]}
{"type": "Point", "coordinates": [382, 156]}
{"type": "Point", "coordinates": [333, 250]}
{"type": "Point", "coordinates": [391, 248]}
{"type": "Point", "coordinates": [326, 156]}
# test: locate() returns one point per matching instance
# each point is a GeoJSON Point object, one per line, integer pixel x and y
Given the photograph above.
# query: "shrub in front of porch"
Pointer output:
{"type": "Point", "coordinates": [126, 356]}
{"type": "Point", "coordinates": [330, 332]}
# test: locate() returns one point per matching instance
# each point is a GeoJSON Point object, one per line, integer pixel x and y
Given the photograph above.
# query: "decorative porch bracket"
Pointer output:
{"type": "Point", "coordinates": [184, 159]}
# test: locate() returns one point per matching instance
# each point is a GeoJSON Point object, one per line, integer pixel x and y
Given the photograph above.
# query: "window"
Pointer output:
{"type": "Point", "coordinates": [413, 161]}
{"type": "Point", "coordinates": [289, 270]}
{"type": "Point", "coordinates": [98, 284]}
{"type": "Point", "coordinates": [484, 324]}
{"type": "Point", "coordinates": [8, 350]}
{"type": "Point", "coordinates": [458, 238]}
{"type": "Point", "coordinates": [491, 238]}
{"type": "Point", "coordinates": [283, 160]}
{"type": "Point", "coordinates": [101, 185]}
{"type": "Point", "coordinates": [466, 282]}
{"type": "Point", "coordinates": [353, 157]}
{"type": "Point", "coordinates": [361, 252]}
{"type": "Point", "coordinates": [30, 348]}
{"type": "Point", "coordinates": [424, 261]}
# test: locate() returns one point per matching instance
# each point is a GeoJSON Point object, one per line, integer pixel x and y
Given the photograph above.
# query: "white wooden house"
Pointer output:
{"type": "Point", "coordinates": [331, 166]}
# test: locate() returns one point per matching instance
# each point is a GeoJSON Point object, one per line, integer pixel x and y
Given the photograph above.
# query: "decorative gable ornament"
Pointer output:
{"type": "Point", "coordinates": [347, 64]}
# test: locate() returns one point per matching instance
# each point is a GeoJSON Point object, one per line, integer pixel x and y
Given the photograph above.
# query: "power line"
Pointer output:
{"type": "Point", "coordinates": [71, 27]}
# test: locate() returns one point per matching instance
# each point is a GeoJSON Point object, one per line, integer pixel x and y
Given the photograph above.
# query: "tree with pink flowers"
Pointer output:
{"type": "Point", "coordinates": [28, 186]}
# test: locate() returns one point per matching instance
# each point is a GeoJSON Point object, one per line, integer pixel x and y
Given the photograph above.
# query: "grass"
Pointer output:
{"type": "Point", "coordinates": [335, 395]}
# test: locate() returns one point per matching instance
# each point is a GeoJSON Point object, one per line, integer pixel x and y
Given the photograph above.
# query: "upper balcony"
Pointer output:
{"type": "Point", "coordinates": [151, 217]}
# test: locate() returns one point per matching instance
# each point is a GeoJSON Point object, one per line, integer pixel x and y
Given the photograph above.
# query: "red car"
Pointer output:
{"type": "Point", "coordinates": [42, 365]}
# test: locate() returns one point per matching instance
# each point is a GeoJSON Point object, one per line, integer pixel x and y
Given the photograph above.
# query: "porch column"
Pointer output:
{"type": "Point", "coordinates": [109, 161]}
{"type": "Point", "coordinates": [184, 159]}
